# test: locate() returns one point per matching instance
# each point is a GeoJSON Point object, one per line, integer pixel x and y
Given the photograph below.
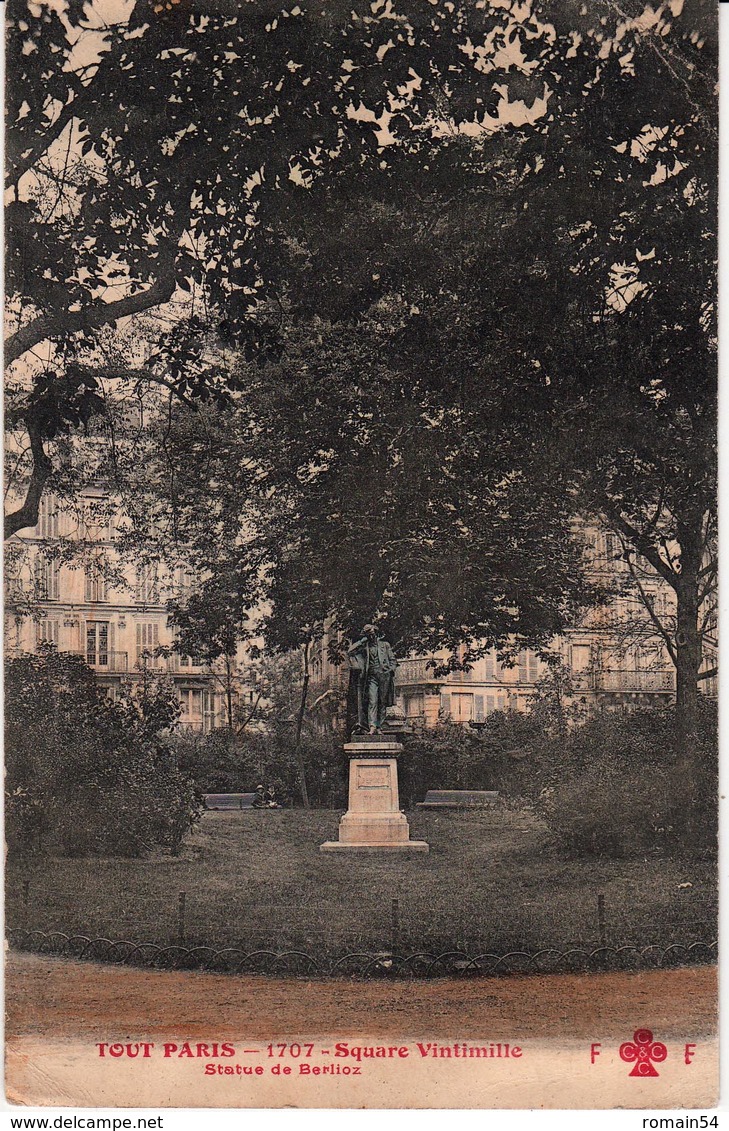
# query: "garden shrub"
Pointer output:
{"type": "Point", "coordinates": [625, 787]}
{"type": "Point", "coordinates": [86, 775]}
{"type": "Point", "coordinates": [221, 763]}
{"type": "Point", "coordinates": [614, 783]}
{"type": "Point", "coordinates": [611, 810]}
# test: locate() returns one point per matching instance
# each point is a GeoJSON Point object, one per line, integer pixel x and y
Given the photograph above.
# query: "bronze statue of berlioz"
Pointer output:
{"type": "Point", "coordinates": [372, 672]}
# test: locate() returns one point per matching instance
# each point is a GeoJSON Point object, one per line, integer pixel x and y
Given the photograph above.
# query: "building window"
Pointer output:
{"type": "Point", "coordinates": [581, 657]}
{"type": "Point", "coordinates": [147, 588]}
{"type": "Point", "coordinates": [47, 577]}
{"type": "Point", "coordinates": [528, 666]}
{"type": "Point", "coordinates": [660, 604]}
{"type": "Point", "coordinates": [461, 707]}
{"type": "Point", "coordinates": [99, 523]}
{"type": "Point", "coordinates": [46, 632]}
{"type": "Point", "coordinates": [47, 525]}
{"type": "Point", "coordinates": [97, 643]}
{"type": "Point", "coordinates": [96, 589]}
{"type": "Point", "coordinates": [184, 580]}
{"type": "Point", "coordinates": [192, 704]}
{"type": "Point", "coordinates": [147, 638]}
{"type": "Point", "coordinates": [209, 706]}
{"type": "Point", "coordinates": [414, 706]}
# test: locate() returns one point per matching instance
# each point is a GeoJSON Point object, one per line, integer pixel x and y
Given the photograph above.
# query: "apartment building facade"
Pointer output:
{"type": "Point", "coordinates": [111, 614]}
{"type": "Point", "coordinates": [614, 658]}
{"type": "Point", "coordinates": [115, 616]}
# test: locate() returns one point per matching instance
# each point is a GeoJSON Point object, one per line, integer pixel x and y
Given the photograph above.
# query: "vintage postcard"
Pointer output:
{"type": "Point", "coordinates": [360, 558]}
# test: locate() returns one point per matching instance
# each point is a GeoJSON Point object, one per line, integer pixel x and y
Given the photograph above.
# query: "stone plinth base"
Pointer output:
{"type": "Point", "coordinates": [408, 846]}
{"type": "Point", "coordinates": [373, 821]}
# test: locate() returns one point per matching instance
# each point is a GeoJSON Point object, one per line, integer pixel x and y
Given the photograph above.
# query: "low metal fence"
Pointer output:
{"type": "Point", "coordinates": [361, 964]}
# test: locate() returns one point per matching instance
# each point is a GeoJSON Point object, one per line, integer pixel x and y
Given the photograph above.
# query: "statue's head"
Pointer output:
{"type": "Point", "coordinates": [370, 632]}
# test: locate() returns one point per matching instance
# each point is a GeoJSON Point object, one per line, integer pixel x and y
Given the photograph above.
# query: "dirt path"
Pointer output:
{"type": "Point", "coordinates": [60, 999]}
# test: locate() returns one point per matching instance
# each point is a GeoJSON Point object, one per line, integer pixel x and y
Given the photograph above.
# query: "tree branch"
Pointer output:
{"type": "Point", "coordinates": [666, 637]}
{"type": "Point", "coordinates": [19, 166]}
{"type": "Point", "coordinates": [27, 514]}
{"type": "Point", "coordinates": [97, 314]}
{"type": "Point", "coordinates": [121, 373]}
{"type": "Point", "coordinates": [241, 726]}
{"type": "Point", "coordinates": [641, 543]}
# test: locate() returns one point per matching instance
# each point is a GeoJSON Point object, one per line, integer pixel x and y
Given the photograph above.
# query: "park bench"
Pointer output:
{"type": "Point", "coordinates": [219, 801]}
{"type": "Point", "coordinates": [458, 798]}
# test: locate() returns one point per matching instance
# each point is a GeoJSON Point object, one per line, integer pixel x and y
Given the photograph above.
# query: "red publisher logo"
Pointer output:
{"type": "Point", "coordinates": [643, 1050]}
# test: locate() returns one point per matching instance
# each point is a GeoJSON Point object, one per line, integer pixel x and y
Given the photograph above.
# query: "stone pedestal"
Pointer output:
{"type": "Point", "coordinates": [373, 822]}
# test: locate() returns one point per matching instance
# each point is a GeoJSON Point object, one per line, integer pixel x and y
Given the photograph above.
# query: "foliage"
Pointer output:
{"type": "Point", "coordinates": [449, 756]}
{"type": "Point", "coordinates": [607, 784]}
{"type": "Point", "coordinates": [212, 621]}
{"type": "Point", "coordinates": [219, 765]}
{"type": "Point", "coordinates": [125, 195]}
{"type": "Point", "coordinates": [618, 788]}
{"type": "Point", "coordinates": [465, 407]}
{"type": "Point", "coordinates": [516, 753]}
{"type": "Point", "coordinates": [471, 289]}
{"type": "Point", "coordinates": [612, 810]}
{"type": "Point", "coordinates": [395, 474]}
{"type": "Point", "coordinates": [86, 775]}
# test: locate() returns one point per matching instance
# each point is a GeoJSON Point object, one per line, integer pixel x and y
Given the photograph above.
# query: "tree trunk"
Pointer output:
{"type": "Point", "coordinates": [688, 662]}
{"type": "Point", "coordinates": [229, 692]}
{"type": "Point", "coordinates": [688, 638]}
{"type": "Point", "coordinates": [299, 727]}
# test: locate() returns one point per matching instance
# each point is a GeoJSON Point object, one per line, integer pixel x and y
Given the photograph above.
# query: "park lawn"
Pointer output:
{"type": "Point", "coordinates": [493, 881]}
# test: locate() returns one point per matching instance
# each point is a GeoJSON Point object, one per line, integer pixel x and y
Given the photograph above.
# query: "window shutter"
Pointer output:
{"type": "Point", "coordinates": [46, 631]}
{"type": "Point", "coordinates": [479, 708]}
{"type": "Point", "coordinates": [445, 703]}
{"type": "Point", "coordinates": [89, 630]}
{"type": "Point", "coordinates": [522, 667]}
{"type": "Point", "coordinates": [489, 661]}
{"type": "Point", "coordinates": [490, 703]}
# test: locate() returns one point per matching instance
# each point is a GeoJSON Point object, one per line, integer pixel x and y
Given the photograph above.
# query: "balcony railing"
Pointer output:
{"type": "Point", "coordinates": [410, 672]}
{"type": "Point", "coordinates": [106, 661]}
{"type": "Point", "coordinates": [661, 679]}
{"type": "Point", "coordinates": [172, 664]}
{"type": "Point", "coordinates": [415, 671]}
{"type": "Point", "coordinates": [113, 661]}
